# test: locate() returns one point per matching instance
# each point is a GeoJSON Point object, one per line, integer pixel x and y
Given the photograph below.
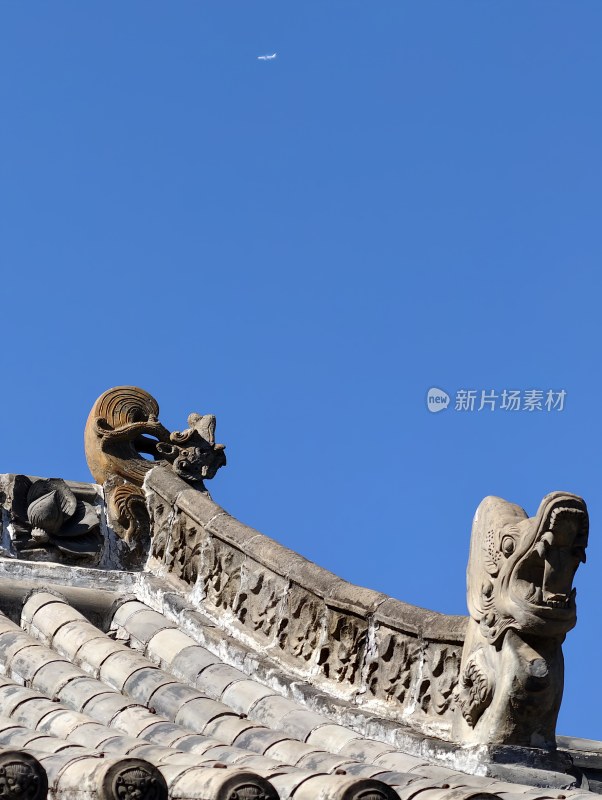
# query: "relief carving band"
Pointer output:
{"type": "Point", "coordinates": [122, 426]}
{"type": "Point", "coordinates": [390, 674]}
{"type": "Point", "coordinates": [440, 678]}
{"type": "Point", "coordinates": [522, 604]}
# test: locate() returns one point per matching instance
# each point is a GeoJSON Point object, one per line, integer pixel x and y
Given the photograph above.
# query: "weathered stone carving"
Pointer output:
{"type": "Point", "coordinates": [48, 517]}
{"type": "Point", "coordinates": [341, 659]}
{"type": "Point", "coordinates": [439, 678]}
{"type": "Point", "coordinates": [522, 603]}
{"type": "Point", "coordinates": [21, 777]}
{"type": "Point", "coordinates": [221, 573]}
{"type": "Point", "coordinates": [259, 599]}
{"type": "Point", "coordinates": [248, 792]}
{"type": "Point", "coordinates": [136, 780]}
{"type": "Point", "coordinates": [177, 545]}
{"type": "Point", "coordinates": [389, 675]}
{"type": "Point", "coordinates": [246, 587]}
{"type": "Point", "coordinates": [245, 786]}
{"type": "Point", "coordinates": [299, 631]}
{"type": "Point", "coordinates": [123, 424]}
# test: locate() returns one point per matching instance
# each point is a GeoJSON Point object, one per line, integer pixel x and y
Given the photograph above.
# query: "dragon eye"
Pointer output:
{"type": "Point", "coordinates": [508, 545]}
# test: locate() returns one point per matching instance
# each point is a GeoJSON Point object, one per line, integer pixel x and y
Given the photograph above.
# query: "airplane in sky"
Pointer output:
{"type": "Point", "coordinates": [267, 58]}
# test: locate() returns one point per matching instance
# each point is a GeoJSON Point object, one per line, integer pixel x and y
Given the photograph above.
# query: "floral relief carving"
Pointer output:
{"type": "Point", "coordinates": [220, 573]}
{"type": "Point", "coordinates": [183, 551]}
{"type": "Point", "coordinates": [342, 657]}
{"type": "Point", "coordinates": [299, 631]}
{"type": "Point", "coordinates": [161, 519]}
{"type": "Point", "coordinates": [390, 674]}
{"type": "Point", "coordinates": [440, 678]}
{"type": "Point", "coordinates": [258, 600]}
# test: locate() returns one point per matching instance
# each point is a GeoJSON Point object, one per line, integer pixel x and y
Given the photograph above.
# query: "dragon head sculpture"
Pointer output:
{"type": "Point", "coordinates": [122, 426]}
{"type": "Point", "coordinates": [522, 604]}
{"type": "Point", "coordinates": [193, 453]}
{"type": "Point", "coordinates": [520, 573]}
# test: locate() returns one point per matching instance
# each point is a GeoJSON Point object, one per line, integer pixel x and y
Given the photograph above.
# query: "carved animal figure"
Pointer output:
{"type": "Point", "coordinates": [123, 424]}
{"type": "Point", "coordinates": [46, 513]}
{"type": "Point", "coordinates": [522, 604]}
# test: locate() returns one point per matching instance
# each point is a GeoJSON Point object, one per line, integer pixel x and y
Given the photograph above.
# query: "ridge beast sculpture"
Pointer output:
{"type": "Point", "coordinates": [122, 425]}
{"type": "Point", "coordinates": [522, 604]}
{"type": "Point", "coordinates": [52, 519]}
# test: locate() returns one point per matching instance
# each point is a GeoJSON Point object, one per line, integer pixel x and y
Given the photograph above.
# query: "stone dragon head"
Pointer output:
{"type": "Point", "coordinates": [193, 453]}
{"type": "Point", "coordinates": [520, 572]}
{"type": "Point", "coordinates": [123, 428]}
{"type": "Point", "coordinates": [123, 425]}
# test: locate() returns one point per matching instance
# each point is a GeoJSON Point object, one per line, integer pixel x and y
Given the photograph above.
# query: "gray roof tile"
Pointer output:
{"type": "Point", "coordinates": [195, 714]}
{"type": "Point", "coordinates": [189, 662]}
{"type": "Point", "coordinates": [166, 644]}
{"type": "Point", "coordinates": [216, 678]}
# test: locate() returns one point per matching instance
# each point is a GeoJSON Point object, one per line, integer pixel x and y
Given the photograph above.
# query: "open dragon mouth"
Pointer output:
{"type": "Point", "coordinates": [544, 575]}
{"type": "Point", "coordinates": [197, 464]}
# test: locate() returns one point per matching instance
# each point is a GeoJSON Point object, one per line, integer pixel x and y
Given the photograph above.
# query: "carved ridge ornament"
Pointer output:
{"type": "Point", "coordinates": [245, 786]}
{"type": "Point", "coordinates": [134, 780]}
{"type": "Point", "coordinates": [46, 513]}
{"type": "Point", "coordinates": [22, 777]}
{"type": "Point", "coordinates": [122, 426]}
{"type": "Point", "coordinates": [522, 604]}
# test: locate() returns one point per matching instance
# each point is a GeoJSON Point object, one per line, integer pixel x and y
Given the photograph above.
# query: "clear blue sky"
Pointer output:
{"type": "Point", "coordinates": [408, 196]}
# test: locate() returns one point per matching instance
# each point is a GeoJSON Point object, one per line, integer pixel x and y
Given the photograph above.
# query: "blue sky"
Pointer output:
{"type": "Point", "coordinates": [408, 196]}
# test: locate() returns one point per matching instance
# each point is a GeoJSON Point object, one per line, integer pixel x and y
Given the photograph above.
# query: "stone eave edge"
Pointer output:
{"type": "Point", "coordinates": [336, 592]}
{"type": "Point", "coordinates": [396, 659]}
